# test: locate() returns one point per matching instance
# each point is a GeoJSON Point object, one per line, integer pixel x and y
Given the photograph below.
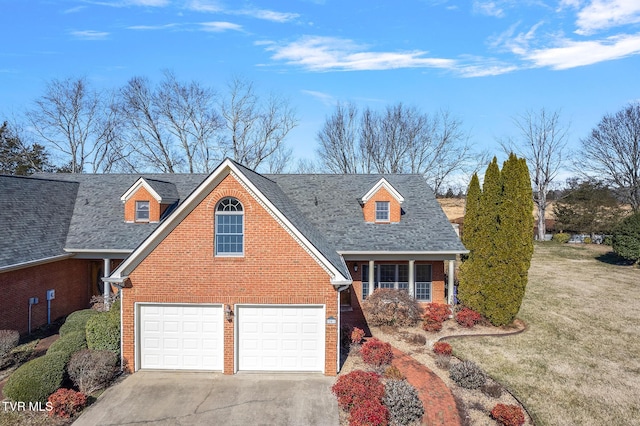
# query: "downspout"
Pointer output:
{"type": "Point", "coordinates": [340, 290]}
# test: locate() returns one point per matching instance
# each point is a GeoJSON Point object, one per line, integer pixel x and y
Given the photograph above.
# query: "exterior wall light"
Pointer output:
{"type": "Point", "coordinates": [355, 267]}
{"type": "Point", "coordinates": [228, 313]}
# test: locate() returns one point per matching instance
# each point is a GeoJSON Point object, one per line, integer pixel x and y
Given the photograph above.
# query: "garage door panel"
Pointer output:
{"type": "Point", "coordinates": [181, 337]}
{"type": "Point", "coordinates": [280, 338]}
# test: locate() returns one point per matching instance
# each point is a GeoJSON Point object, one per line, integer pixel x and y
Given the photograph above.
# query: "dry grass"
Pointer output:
{"type": "Point", "coordinates": [579, 361]}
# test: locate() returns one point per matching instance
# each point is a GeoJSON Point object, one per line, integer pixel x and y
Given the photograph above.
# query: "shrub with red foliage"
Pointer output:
{"type": "Point", "coordinates": [435, 314]}
{"type": "Point", "coordinates": [66, 403]}
{"type": "Point", "coordinates": [377, 353]}
{"type": "Point", "coordinates": [442, 348]}
{"type": "Point", "coordinates": [356, 335]}
{"type": "Point", "coordinates": [508, 415]}
{"type": "Point", "coordinates": [369, 413]}
{"type": "Point", "coordinates": [357, 387]}
{"type": "Point", "coordinates": [467, 317]}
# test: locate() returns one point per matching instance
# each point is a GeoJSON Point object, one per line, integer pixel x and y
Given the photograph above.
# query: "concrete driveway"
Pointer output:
{"type": "Point", "coordinates": [175, 398]}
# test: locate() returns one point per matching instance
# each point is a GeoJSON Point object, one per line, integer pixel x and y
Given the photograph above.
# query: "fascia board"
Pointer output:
{"type": "Point", "coordinates": [383, 183]}
{"type": "Point", "coordinates": [140, 183]}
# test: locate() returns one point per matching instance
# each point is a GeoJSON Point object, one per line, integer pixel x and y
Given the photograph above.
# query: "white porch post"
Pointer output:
{"type": "Point", "coordinates": [372, 276]}
{"type": "Point", "coordinates": [412, 278]}
{"type": "Point", "coordinates": [107, 286]}
{"type": "Point", "coordinates": [452, 270]}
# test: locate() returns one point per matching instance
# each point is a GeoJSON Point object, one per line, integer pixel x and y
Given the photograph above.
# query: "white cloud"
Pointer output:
{"type": "Point", "coordinates": [325, 98]}
{"type": "Point", "coordinates": [268, 15]}
{"type": "Point", "coordinates": [570, 54]}
{"type": "Point", "coordinates": [90, 35]}
{"type": "Point", "coordinates": [152, 27]}
{"type": "Point", "coordinates": [336, 54]}
{"type": "Point", "coordinates": [489, 8]}
{"type": "Point", "coordinates": [220, 26]}
{"type": "Point", "coordinates": [74, 9]}
{"type": "Point", "coordinates": [605, 14]}
{"type": "Point", "coordinates": [204, 6]}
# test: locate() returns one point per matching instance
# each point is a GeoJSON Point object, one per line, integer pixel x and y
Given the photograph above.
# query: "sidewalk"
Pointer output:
{"type": "Point", "coordinates": [439, 405]}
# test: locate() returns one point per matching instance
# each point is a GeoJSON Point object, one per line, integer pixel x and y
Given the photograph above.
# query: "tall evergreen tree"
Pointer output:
{"type": "Point", "coordinates": [471, 213]}
{"type": "Point", "coordinates": [494, 277]}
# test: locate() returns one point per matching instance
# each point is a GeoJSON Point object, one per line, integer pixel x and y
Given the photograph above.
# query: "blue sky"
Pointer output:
{"type": "Point", "coordinates": [484, 61]}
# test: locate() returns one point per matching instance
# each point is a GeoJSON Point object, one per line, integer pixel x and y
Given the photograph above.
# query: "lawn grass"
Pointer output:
{"type": "Point", "coordinates": [579, 361]}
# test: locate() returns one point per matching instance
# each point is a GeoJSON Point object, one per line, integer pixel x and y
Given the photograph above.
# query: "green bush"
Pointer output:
{"type": "Point", "coordinates": [77, 321]}
{"type": "Point", "coordinates": [626, 238]}
{"type": "Point", "coordinates": [69, 344]}
{"type": "Point", "coordinates": [103, 330]}
{"type": "Point", "coordinates": [561, 237]}
{"type": "Point", "coordinates": [37, 379]}
{"type": "Point", "coordinates": [587, 240]}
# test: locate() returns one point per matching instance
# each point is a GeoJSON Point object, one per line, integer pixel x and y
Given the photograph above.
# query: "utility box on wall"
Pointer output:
{"type": "Point", "coordinates": [51, 294]}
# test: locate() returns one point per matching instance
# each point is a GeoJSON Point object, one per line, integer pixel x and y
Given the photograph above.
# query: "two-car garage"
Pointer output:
{"type": "Point", "coordinates": [266, 337]}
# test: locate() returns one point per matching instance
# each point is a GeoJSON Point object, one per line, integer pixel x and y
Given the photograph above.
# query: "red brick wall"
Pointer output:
{"type": "Point", "coordinates": [369, 209]}
{"type": "Point", "coordinates": [69, 278]}
{"type": "Point", "coordinates": [273, 270]}
{"type": "Point", "coordinates": [141, 195]}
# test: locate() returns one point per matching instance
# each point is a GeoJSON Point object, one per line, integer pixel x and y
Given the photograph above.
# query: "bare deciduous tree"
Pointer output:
{"type": "Point", "coordinates": [255, 129]}
{"type": "Point", "coordinates": [543, 141]}
{"type": "Point", "coordinates": [74, 120]}
{"type": "Point", "coordinates": [612, 152]}
{"type": "Point", "coordinates": [400, 140]}
{"type": "Point", "coordinates": [338, 140]}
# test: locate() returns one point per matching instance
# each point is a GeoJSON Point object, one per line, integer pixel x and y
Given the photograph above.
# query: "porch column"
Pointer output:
{"type": "Point", "coordinates": [372, 277]}
{"type": "Point", "coordinates": [412, 278]}
{"type": "Point", "coordinates": [452, 270]}
{"type": "Point", "coordinates": [107, 286]}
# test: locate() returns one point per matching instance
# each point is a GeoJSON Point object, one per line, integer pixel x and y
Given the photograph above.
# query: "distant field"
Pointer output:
{"type": "Point", "coordinates": [454, 208]}
{"type": "Point", "coordinates": [579, 361]}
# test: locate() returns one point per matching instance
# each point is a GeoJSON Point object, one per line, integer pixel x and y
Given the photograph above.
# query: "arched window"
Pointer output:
{"type": "Point", "coordinates": [229, 228]}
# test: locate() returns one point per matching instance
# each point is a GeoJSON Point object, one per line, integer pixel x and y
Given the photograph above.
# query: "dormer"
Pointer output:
{"type": "Point", "coordinates": [382, 203]}
{"type": "Point", "coordinates": [148, 200]}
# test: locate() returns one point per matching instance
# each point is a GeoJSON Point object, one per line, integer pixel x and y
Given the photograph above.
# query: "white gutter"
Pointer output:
{"type": "Point", "coordinates": [35, 262]}
{"type": "Point", "coordinates": [115, 251]}
{"type": "Point", "coordinates": [382, 252]}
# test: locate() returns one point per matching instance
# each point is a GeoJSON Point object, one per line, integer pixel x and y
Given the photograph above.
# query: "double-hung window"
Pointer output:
{"type": "Point", "coordinates": [382, 211]}
{"type": "Point", "coordinates": [423, 283]}
{"type": "Point", "coordinates": [142, 211]}
{"type": "Point", "coordinates": [229, 227]}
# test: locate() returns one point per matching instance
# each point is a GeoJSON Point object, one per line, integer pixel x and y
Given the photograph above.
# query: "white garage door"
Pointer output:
{"type": "Point", "coordinates": [281, 338]}
{"type": "Point", "coordinates": [181, 337]}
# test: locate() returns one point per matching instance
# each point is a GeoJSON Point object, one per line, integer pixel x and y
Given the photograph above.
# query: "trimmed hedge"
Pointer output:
{"type": "Point", "coordinates": [561, 237]}
{"type": "Point", "coordinates": [77, 321]}
{"type": "Point", "coordinates": [626, 238]}
{"type": "Point", "coordinates": [402, 401]}
{"type": "Point", "coordinates": [69, 344]}
{"type": "Point", "coordinates": [103, 330]}
{"type": "Point", "coordinates": [37, 379]}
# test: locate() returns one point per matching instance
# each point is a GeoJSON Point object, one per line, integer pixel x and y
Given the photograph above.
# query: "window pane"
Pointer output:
{"type": "Point", "coordinates": [382, 210]}
{"type": "Point", "coordinates": [388, 273]}
{"type": "Point", "coordinates": [229, 234]}
{"type": "Point", "coordinates": [403, 273]}
{"type": "Point", "coordinates": [423, 273]}
{"type": "Point", "coordinates": [423, 291]}
{"type": "Point", "coordinates": [365, 281]}
{"type": "Point", "coordinates": [142, 210]}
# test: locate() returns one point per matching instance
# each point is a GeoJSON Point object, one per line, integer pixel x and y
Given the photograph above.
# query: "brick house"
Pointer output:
{"type": "Point", "coordinates": [238, 271]}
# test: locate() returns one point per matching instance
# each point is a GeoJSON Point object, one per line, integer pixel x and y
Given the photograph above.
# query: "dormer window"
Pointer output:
{"type": "Point", "coordinates": [142, 211]}
{"type": "Point", "coordinates": [382, 211]}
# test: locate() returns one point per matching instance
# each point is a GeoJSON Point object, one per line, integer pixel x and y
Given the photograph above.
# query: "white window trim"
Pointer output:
{"type": "Point", "coordinates": [215, 229]}
{"type": "Point", "coordinates": [396, 282]}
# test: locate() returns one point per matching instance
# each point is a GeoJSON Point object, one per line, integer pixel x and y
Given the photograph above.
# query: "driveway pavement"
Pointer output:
{"type": "Point", "coordinates": [175, 398]}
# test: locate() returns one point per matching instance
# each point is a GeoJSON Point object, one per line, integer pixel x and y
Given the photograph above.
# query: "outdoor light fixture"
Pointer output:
{"type": "Point", "coordinates": [228, 313]}
{"type": "Point", "coordinates": [355, 267]}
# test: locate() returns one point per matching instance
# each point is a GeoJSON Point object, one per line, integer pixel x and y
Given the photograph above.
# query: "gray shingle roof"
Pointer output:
{"type": "Point", "coordinates": [330, 203]}
{"type": "Point", "coordinates": [98, 217]}
{"type": "Point", "coordinates": [166, 190]}
{"type": "Point", "coordinates": [34, 217]}
{"type": "Point", "coordinates": [324, 208]}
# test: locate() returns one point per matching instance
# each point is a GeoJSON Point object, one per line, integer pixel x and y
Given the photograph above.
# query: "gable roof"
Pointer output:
{"type": "Point", "coordinates": [163, 192]}
{"type": "Point", "coordinates": [271, 197]}
{"type": "Point", "coordinates": [330, 203]}
{"type": "Point", "coordinates": [35, 215]}
{"type": "Point", "coordinates": [383, 183]}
